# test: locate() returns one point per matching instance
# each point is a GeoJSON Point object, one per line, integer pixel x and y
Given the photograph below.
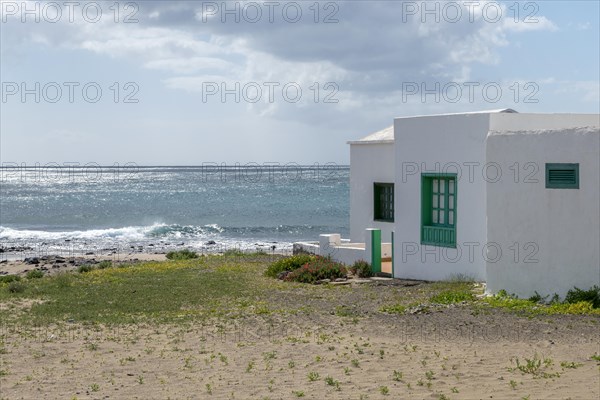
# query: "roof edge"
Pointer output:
{"type": "Point", "coordinates": [370, 141]}
{"type": "Point", "coordinates": [495, 111]}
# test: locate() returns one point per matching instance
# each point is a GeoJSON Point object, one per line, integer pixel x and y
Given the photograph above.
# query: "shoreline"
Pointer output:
{"type": "Point", "coordinates": [52, 264]}
{"type": "Point", "coordinates": [20, 263]}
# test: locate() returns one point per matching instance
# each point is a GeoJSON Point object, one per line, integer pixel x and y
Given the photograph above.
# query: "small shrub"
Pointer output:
{"type": "Point", "coordinates": [35, 274]}
{"type": "Point", "coordinates": [571, 365]}
{"type": "Point", "coordinates": [16, 287]}
{"type": "Point", "coordinates": [9, 278]}
{"type": "Point", "coordinates": [362, 269]}
{"type": "Point", "coordinates": [319, 268]}
{"type": "Point", "coordinates": [104, 264]}
{"type": "Point", "coordinates": [184, 254]}
{"type": "Point", "coordinates": [288, 264]}
{"type": "Point", "coordinates": [537, 298]}
{"type": "Point", "coordinates": [577, 295]}
{"type": "Point", "coordinates": [85, 268]}
{"type": "Point", "coordinates": [313, 376]}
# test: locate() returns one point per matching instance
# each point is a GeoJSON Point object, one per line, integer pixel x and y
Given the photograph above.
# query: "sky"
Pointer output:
{"type": "Point", "coordinates": [237, 82]}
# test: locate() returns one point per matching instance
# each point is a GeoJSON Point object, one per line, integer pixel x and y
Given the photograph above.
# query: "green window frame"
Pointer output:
{"type": "Point", "coordinates": [562, 176]}
{"type": "Point", "coordinates": [438, 209]}
{"type": "Point", "coordinates": [383, 202]}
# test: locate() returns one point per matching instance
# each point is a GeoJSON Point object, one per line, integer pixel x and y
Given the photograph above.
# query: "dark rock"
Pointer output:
{"type": "Point", "coordinates": [89, 253]}
{"type": "Point", "coordinates": [32, 260]}
{"type": "Point", "coordinates": [211, 243]}
{"type": "Point", "coordinates": [3, 261]}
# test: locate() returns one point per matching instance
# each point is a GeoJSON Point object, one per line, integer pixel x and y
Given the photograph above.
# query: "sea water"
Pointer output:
{"type": "Point", "coordinates": [92, 208]}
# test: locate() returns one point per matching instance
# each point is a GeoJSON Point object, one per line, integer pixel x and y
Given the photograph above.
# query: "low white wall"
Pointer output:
{"type": "Point", "coordinates": [306, 247]}
{"type": "Point", "coordinates": [348, 255]}
{"type": "Point", "coordinates": [549, 238]}
{"type": "Point", "coordinates": [369, 163]}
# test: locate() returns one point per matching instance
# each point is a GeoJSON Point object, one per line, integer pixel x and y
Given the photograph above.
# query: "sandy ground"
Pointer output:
{"type": "Point", "coordinates": [451, 354]}
{"type": "Point", "coordinates": [50, 265]}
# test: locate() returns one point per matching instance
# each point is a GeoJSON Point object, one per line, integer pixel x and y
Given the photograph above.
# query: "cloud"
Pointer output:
{"type": "Point", "coordinates": [369, 50]}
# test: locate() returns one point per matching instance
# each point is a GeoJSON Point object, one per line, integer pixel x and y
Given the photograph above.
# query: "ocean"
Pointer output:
{"type": "Point", "coordinates": [209, 208]}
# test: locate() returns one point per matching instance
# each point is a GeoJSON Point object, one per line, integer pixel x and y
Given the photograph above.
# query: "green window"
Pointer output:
{"type": "Point", "coordinates": [562, 176]}
{"type": "Point", "coordinates": [383, 202]}
{"type": "Point", "coordinates": [438, 209]}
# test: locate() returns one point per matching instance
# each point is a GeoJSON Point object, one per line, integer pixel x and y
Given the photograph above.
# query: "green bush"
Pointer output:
{"type": "Point", "coordinates": [317, 269]}
{"type": "Point", "coordinates": [85, 268]}
{"type": "Point", "coordinates": [362, 269]}
{"type": "Point", "coordinates": [184, 254]}
{"type": "Point", "coordinates": [577, 295]}
{"type": "Point", "coordinates": [16, 287]}
{"type": "Point", "coordinates": [9, 278]}
{"type": "Point", "coordinates": [35, 274]}
{"type": "Point", "coordinates": [288, 264]}
{"type": "Point", "coordinates": [104, 264]}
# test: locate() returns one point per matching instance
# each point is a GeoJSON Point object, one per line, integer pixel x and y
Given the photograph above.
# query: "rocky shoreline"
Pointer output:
{"type": "Point", "coordinates": [50, 264]}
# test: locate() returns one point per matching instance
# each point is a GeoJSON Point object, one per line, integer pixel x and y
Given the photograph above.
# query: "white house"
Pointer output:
{"type": "Point", "coordinates": [500, 196]}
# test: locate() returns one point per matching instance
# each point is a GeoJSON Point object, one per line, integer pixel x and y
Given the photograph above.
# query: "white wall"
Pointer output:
{"type": "Point", "coordinates": [556, 231]}
{"type": "Point", "coordinates": [369, 163]}
{"type": "Point", "coordinates": [444, 143]}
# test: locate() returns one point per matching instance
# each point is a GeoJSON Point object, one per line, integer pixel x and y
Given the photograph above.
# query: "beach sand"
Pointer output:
{"type": "Point", "coordinates": [444, 355]}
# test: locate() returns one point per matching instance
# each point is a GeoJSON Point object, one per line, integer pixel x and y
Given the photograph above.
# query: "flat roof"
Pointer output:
{"type": "Point", "coordinates": [581, 130]}
{"type": "Point", "coordinates": [386, 135]}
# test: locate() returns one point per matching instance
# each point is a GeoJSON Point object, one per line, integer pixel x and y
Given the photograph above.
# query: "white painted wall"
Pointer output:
{"type": "Point", "coordinates": [557, 231]}
{"type": "Point", "coordinates": [369, 163]}
{"type": "Point", "coordinates": [443, 143]}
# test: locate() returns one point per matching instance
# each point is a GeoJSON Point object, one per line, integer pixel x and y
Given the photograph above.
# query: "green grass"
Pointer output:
{"type": "Point", "coordinates": [531, 307]}
{"type": "Point", "coordinates": [9, 278]}
{"type": "Point", "coordinates": [159, 291]}
{"type": "Point", "coordinates": [207, 287]}
{"type": "Point", "coordinates": [393, 309]}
